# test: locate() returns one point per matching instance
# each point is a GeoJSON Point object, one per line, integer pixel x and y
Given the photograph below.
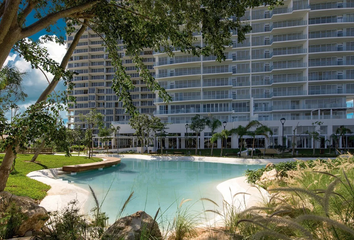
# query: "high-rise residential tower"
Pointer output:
{"type": "Point", "coordinates": [297, 64]}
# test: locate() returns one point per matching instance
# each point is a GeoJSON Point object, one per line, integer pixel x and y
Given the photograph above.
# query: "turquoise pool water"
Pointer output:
{"type": "Point", "coordinates": [157, 184]}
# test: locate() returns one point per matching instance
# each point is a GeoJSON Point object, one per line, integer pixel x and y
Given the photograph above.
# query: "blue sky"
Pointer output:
{"type": "Point", "coordinates": [34, 81]}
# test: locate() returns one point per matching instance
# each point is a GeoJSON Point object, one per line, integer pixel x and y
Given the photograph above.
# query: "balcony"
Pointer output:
{"type": "Point", "coordinates": [289, 79]}
{"type": "Point", "coordinates": [289, 93]}
{"type": "Point", "coordinates": [289, 51]}
{"type": "Point", "coordinates": [330, 91]}
{"type": "Point", "coordinates": [316, 63]}
{"type": "Point", "coordinates": [330, 19]}
{"type": "Point", "coordinates": [289, 65]}
{"type": "Point", "coordinates": [291, 23]}
{"type": "Point", "coordinates": [289, 37]}
{"type": "Point", "coordinates": [330, 5]}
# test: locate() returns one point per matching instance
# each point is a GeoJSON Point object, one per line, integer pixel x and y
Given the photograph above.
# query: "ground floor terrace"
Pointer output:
{"type": "Point", "coordinates": [289, 133]}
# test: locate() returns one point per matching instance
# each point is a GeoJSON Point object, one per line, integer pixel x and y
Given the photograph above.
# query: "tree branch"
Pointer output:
{"type": "Point", "coordinates": [64, 62]}
{"type": "Point", "coordinates": [53, 17]}
{"type": "Point", "coordinates": [9, 14]}
{"type": "Point", "coordinates": [26, 11]}
{"type": "Point", "coordinates": [2, 8]}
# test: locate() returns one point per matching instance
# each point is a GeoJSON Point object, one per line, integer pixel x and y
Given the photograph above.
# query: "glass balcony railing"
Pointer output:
{"type": "Point", "coordinates": [289, 79]}
{"type": "Point", "coordinates": [289, 93]}
{"type": "Point", "coordinates": [289, 65]}
{"type": "Point", "coordinates": [289, 51]}
{"type": "Point", "coordinates": [240, 96]}
{"type": "Point", "coordinates": [288, 37]}
{"type": "Point", "coordinates": [330, 5]}
{"type": "Point", "coordinates": [291, 23]}
{"type": "Point", "coordinates": [315, 63]}
{"type": "Point", "coordinates": [331, 19]}
{"type": "Point", "coordinates": [330, 91]}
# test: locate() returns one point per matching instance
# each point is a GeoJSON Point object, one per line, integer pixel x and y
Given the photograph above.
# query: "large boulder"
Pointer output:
{"type": "Point", "coordinates": [139, 225]}
{"type": "Point", "coordinates": [268, 176]}
{"type": "Point", "coordinates": [32, 217]}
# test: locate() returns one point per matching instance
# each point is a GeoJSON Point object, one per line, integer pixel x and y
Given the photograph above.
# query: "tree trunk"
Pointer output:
{"type": "Point", "coordinates": [313, 147]}
{"type": "Point", "coordinates": [293, 152]}
{"type": "Point", "coordinates": [212, 148]}
{"type": "Point", "coordinates": [222, 146]}
{"type": "Point", "coordinates": [38, 150]}
{"type": "Point", "coordinates": [196, 144]}
{"type": "Point", "coordinates": [6, 166]}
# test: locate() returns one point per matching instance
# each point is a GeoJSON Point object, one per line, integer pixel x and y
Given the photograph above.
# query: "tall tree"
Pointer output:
{"type": "Point", "coordinates": [198, 125]}
{"type": "Point", "coordinates": [213, 124]}
{"type": "Point", "coordinates": [105, 135]}
{"type": "Point", "coordinates": [242, 130]}
{"type": "Point", "coordinates": [341, 133]}
{"type": "Point", "coordinates": [141, 124]}
{"type": "Point", "coordinates": [260, 130]}
{"type": "Point", "coordinates": [314, 135]}
{"type": "Point", "coordinates": [115, 129]}
{"type": "Point", "coordinates": [223, 135]}
{"type": "Point", "coordinates": [92, 120]}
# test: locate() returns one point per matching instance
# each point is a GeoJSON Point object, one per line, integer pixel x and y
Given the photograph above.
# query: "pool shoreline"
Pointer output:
{"type": "Point", "coordinates": [62, 192]}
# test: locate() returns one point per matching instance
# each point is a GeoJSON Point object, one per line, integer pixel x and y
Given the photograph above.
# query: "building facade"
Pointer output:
{"type": "Point", "coordinates": [296, 64]}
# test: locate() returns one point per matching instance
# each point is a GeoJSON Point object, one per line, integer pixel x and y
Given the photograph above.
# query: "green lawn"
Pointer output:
{"type": "Point", "coordinates": [21, 185]}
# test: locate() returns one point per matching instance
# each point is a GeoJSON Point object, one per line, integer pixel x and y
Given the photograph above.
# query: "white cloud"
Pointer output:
{"type": "Point", "coordinates": [34, 81]}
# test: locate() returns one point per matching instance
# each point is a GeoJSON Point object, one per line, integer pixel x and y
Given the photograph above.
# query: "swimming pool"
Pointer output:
{"type": "Point", "coordinates": [157, 184]}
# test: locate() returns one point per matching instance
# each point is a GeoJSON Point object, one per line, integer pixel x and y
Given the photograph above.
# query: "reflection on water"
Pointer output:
{"type": "Point", "coordinates": [157, 184]}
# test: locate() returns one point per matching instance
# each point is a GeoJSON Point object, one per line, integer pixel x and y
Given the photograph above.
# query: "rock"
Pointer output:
{"type": "Point", "coordinates": [268, 176]}
{"type": "Point", "coordinates": [139, 225]}
{"type": "Point", "coordinates": [269, 165]}
{"type": "Point", "coordinates": [33, 218]}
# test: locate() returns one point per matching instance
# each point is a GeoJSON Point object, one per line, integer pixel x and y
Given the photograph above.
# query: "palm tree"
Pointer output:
{"type": "Point", "coordinates": [261, 130]}
{"type": "Point", "coordinates": [221, 135]}
{"type": "Point", "coordinates": [341, 132]}
{"type": "Point", "coordinates": [213, 124]}
{"type": "Point", "coordinates": [242, 130]}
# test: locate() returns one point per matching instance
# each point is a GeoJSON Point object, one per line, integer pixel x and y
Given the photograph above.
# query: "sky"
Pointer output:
{"type": "Point", "coordinates": [34, 81]}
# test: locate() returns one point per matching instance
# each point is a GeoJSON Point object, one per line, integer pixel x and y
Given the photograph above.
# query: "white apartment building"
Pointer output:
{"type": "Point", "coordinates": [296, 64]}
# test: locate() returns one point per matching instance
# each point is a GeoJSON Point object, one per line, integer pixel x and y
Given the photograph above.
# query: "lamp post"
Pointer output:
{"type": "Point", "coordinates": [282, 120]}
{"type": "Point", "coordinates": [224, 125]}
{"type": "Point", "coordinates": [186, 135]}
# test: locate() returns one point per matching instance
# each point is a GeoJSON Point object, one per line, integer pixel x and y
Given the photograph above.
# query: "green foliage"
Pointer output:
{"type": "Point", "coordinates": [20, 185]}
{"type": "Point", "coordinates": [10, 221]}
{"type": "Point", "coordinates": [38, 120]}
{"type": "Point", "coordinates": [184, 223]}
{"type": "Point", "coordinates": [68, 225]}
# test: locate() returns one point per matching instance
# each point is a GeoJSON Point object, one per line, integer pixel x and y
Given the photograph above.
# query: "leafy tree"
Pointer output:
{"type": "Point", "coordinates": [115, 130]}
{"type": "Point", "coordinates": [105, 134]}
{"type": "Point", "coordinates": [156, 125]}
{"type": "Point", "coordinates": [75, 137]}
{"type": "Point", "coordinates": [38, 120]}
{"type": "Point", "coordinates": [92, 120]}
{"type": "Point", "coordinates": [141, 124]}
{"type": "Point", "coordinates": [213, 124]}
{"type": "Point", "coordinates": [198, 125]}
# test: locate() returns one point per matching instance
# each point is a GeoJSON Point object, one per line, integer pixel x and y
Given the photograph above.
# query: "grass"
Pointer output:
{"type": "Point", "coordinates": [21, 185]}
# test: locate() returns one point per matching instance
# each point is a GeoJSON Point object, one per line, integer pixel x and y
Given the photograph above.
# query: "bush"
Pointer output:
{"type": "Point", "coordinates": [78, 147]}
